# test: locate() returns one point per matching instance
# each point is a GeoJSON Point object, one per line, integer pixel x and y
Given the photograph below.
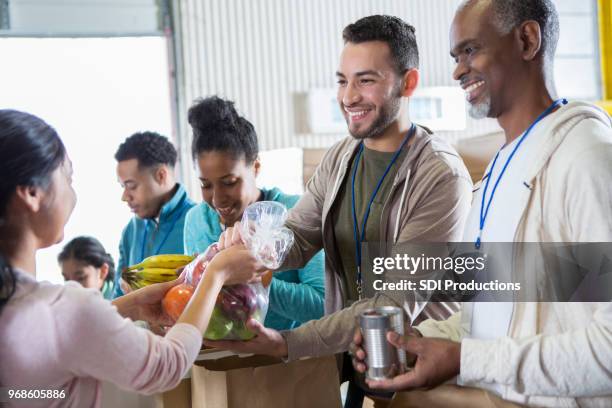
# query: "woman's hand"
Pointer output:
{"type": "Point", "coordinates": [145, 303]}
{"type": "Point", "coordinates": [230, 237]}
{"type": "Point", "coordinates": [124, 286]}
{"type": "Point", "coordinates": [149, 301]}
{"type": "Point", "coordinates": [236, 264]}
{"type": "Point", "coordinates": [230, 266]}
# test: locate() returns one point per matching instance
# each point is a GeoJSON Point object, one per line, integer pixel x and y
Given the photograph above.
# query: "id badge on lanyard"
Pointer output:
{"type": "Point", "coordinates": [359, 238]}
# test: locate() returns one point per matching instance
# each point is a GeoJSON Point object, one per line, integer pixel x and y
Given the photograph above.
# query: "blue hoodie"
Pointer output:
{"type": "Point", "coordinates": [165, 237]}
{"type": "Point", "coordinates": [296, 296]}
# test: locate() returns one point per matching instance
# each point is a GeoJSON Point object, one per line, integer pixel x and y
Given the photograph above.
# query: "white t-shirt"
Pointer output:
{"type": "Point", "coordinates": [491, 320]}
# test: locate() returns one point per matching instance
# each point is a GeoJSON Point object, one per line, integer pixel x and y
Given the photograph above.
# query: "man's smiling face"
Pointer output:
{"type": "Point", "coordinates": [486, 60]}
{"type": "Point", "coordinates": [368, 88]}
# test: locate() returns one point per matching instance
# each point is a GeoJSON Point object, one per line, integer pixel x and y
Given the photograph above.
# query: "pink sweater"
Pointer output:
{"type": "Point", "coordinates": [67, 337]}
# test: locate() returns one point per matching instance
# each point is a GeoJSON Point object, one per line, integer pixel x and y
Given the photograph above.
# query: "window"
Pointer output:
{"type": "Point", "coordinates": [95, 92]}
{"type": "Point", "coordinates": [577, 60]}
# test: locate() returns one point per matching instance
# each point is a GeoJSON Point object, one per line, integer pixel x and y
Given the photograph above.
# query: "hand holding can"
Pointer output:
{"type": "Point", "coordinates": [383, 359]}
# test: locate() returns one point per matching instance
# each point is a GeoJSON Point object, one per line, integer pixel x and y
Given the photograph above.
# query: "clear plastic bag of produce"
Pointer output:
{"type": "Point", "coordinates": [235, 304]}
{"type": "Point", "coordinates": [264, 234]}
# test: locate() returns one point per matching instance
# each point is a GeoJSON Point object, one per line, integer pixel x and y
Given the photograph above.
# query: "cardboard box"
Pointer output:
{"type": "Point", "coordinates": [232, 381]}
{"type": "Point", "coordinates": [478, 151]}
{"type": "Point", "coordinates": [179, 397]}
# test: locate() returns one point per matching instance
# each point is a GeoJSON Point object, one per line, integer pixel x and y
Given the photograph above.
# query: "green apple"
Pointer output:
{"type": "Point", "coordinates": [240, 330]}
{"type": "Point", "coordinates": [219, 326]}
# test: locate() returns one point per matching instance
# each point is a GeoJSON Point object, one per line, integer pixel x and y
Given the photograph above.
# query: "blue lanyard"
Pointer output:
{"type": "Point", "coordinates": [144, 235]}
{"type": "Point", "coordinates": [359, 239]}
{"type": "Point", "coordinates": [484, 211]}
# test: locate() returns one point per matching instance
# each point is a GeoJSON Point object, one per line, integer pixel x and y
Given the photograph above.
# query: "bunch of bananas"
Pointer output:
{"type": "Point", "coordinates": [155, 269]}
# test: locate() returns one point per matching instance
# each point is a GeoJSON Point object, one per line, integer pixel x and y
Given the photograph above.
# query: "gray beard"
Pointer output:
{"type": "Point", "coordinates": [481, 110]}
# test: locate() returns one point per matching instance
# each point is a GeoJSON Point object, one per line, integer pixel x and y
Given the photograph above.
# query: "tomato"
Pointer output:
{"type": "Point", "coordinates": [198, 271]}
{"type": "Point", "coordinates": [176, 299]}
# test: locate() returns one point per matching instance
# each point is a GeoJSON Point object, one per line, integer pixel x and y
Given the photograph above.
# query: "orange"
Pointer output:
{"type": "Point", "coordinates": [176, 299]}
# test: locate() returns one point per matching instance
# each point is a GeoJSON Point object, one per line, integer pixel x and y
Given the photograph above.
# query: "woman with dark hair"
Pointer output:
{"type": "Point", "coordinates": [65, 338]}
{"type": "Point", "coordinates": [226, 150]}
{"type": "Point", "coordinates": [84, 260]}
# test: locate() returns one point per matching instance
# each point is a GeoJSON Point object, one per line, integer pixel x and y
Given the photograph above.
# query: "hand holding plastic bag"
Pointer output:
{"type": "Point", "coordinates": [263, 232]}
{"type": "Point", "coordinates": [265, 235]}
{"type": "Point", "coordinates": [195, 269]}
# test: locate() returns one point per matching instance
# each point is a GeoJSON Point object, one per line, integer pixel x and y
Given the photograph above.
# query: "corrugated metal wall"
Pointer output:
{"type": "Point", "coordinates": [264, 54]}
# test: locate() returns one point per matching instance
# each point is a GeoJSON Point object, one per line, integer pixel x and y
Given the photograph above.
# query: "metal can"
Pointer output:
{"type": "Point", "coordinates": [383, 359]}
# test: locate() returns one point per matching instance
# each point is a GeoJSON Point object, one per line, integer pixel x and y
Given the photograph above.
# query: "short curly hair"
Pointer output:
{"type": "Point", "coordinates": [218, 127]}
{"type": "Point", "coordinates": [398, 35]}
{"type": "Point", "coordinates": [149, 148]}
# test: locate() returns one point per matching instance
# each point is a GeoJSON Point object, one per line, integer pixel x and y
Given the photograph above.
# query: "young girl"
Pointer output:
{"type": "Point", "coordinates": [84, 260]}
{"type": "Point", "coordinates": [66, 338]}
{"type": "Point", "coordinates": [225, 148]}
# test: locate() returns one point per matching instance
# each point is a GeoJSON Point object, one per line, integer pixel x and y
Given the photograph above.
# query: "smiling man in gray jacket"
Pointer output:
{"type": "Point", "coordinates": [408, 185]}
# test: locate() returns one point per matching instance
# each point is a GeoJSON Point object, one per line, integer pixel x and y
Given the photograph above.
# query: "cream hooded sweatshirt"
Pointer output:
{"type": "Point", "coordinates": [554, 354]}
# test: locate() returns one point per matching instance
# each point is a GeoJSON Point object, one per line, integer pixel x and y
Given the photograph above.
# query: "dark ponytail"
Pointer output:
{"type": "Point", "coordinates": [217, 126]}
{"type": "Point", "coordinates": [30, 151]}
{"type": "Point", "coordinates": [90, 251]}
{"type": "Point", "coordinates": [7, 281]}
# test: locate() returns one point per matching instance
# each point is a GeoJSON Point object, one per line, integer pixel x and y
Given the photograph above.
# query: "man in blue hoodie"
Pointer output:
{"type": "Point", "coordinates": [145, 169]}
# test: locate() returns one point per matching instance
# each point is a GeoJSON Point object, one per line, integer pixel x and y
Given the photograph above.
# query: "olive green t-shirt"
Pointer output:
{"type": "Point", "coordinates": [371, 167]}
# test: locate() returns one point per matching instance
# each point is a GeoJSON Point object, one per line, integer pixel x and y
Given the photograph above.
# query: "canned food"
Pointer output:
{"type": "Point", "coordinates": [383, 359]}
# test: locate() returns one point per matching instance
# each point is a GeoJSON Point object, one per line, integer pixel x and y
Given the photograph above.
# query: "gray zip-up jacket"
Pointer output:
{"type": "Point", "coordinates": [429, 201]}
